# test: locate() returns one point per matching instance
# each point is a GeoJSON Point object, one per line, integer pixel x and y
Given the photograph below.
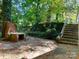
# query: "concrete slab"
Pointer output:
{"type": "Point", "coordinates": [31, 48]}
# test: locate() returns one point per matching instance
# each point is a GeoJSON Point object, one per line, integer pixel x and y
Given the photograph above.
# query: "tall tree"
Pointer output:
{"type": "Point", "coordinates": [37, 14]}
{"type": "Point", "coordinates": [49, 10]}
{"type": "Point", "coordinates": [58, 8]}
{"type": "Point", "coordinates": [6, 13]}
{"type": "Point", "coordinates": [6, 10]}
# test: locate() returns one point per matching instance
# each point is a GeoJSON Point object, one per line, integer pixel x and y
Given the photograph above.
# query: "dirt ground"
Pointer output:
{"type": "Point", "coordinates": [65, 51]}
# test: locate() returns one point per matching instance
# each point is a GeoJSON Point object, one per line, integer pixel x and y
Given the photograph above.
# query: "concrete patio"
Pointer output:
{"type": "Point", "coordinates": [30, 48]}
{"type": "Point", "coordinates": [36, 48]}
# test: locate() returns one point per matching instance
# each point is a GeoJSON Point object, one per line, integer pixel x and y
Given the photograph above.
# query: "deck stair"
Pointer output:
{"type": "Point", "coordinates": [70, 35]}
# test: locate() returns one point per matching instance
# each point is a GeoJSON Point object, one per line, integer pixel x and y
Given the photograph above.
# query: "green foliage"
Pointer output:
{"type": "Point", "coordinates": [46, 30]}
{"type": "Point", "coordinates": [6, 10]}
{"type": "Point", "coordinates": [29, 14]}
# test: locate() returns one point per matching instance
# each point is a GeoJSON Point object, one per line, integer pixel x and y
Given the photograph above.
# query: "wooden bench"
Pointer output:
{"type": "Point", "coordinates": [12, 36]}
{"type": "Point", "coordinates": [10, 33]}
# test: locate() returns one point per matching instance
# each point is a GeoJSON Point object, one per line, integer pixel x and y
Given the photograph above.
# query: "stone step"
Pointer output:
{"type": "Point", "coordinates": [71, 34]}
{"type": "Point", "coordinates": [72, 37]}
{"type": "Point", "coordinates": [71, 26]}
{"type": "Point", "coordinates": [71, 29]}
{"type": "Point", "coordinates": [70, 40]}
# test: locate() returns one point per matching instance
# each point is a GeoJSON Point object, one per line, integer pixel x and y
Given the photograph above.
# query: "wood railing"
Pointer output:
{"type": "Point", "coordinates": [62, 31]}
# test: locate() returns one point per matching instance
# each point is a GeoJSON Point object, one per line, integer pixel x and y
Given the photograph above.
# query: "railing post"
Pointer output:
{"type": "Point", "coordinates": [62, 31]}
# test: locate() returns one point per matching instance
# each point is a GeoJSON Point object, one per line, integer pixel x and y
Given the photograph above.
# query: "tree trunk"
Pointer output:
{"type": "Point", "coordinates": [57, 14]}
{"type": "Point", "coordinates": [6, 10]}
{"type": "Point", "coordinates": [49, 13]}
{"type": "Point", "coordinates": [37, 14]}
{"type": "Point", "coordinates": [6, 13]}
{"type": "Point", "coordinates": [38, 11]}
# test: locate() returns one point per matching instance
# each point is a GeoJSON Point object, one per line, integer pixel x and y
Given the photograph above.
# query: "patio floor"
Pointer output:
{"type": "Point", "coordinates": [30, 48]}
{"type": "Point", "coordinates": [65, 51]}
{"type": "Point", "coordinates": [33, 47]}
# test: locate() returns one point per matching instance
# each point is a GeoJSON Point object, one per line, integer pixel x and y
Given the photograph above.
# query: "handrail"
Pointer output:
{"type": "Point", "coordinates": [62, 31]}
